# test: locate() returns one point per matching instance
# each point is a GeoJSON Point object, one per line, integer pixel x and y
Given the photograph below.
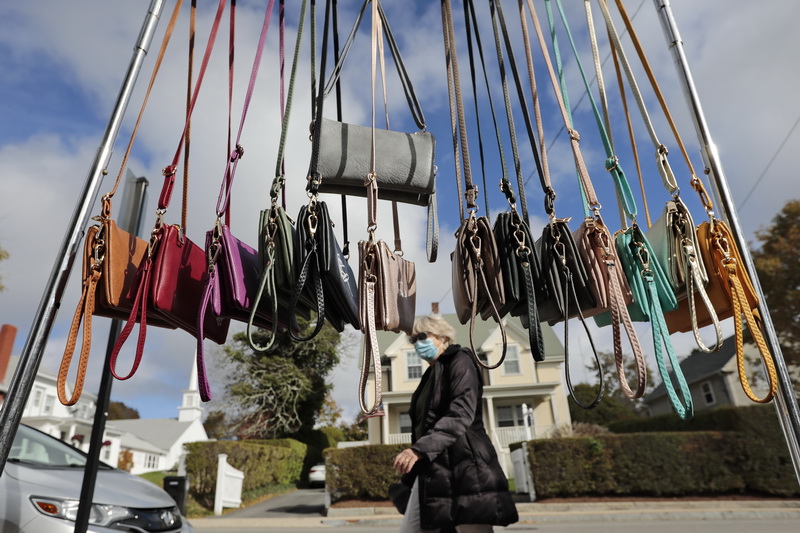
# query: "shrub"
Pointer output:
{"type": "Point", "coordinates": [361, 472]}
{"type": "Point", "coordinates": [263, 464]}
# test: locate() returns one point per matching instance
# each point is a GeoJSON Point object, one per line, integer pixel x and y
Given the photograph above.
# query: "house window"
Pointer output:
{"type": "Point", "coordinates": [405, 422]}
{"type": "Point", "coordinates": [414, 365]}
{"type": "Point", "coordinates": [708, 393]}
{"type": "Point", "coordinates": [106, 455]}
{"type": "Point", "coordinates": [37, 397]}
{"type": "Point", "coordinates": [151, 461]}
{"type": "Point", "coordinates": [48, 404]}
{"type": "Point", "coordinates": [511, 362]}
{"type": "Point", "coordinates": [509, 416]}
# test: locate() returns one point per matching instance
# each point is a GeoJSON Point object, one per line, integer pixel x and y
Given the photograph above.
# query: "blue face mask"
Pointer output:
{"type": "Point", "coordinates": [426, 350]}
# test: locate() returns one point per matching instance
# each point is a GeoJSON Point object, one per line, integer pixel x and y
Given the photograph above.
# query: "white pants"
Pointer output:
{"type": "Point", "coordinates": [411, 520]}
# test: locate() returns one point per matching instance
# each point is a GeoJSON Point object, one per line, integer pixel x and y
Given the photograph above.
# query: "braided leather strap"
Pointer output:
{"type": "Point", "coordinates": [741, 307]}
{"type": "Point", "coordinates": [371, 352]}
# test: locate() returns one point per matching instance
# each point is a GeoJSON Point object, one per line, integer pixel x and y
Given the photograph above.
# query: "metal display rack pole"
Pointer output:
{"type": "Point", "coordinates": [785, 401]}
{"type": "Point", "coordinates": [31, 357]}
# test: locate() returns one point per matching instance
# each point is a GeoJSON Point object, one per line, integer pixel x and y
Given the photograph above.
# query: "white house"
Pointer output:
{"type": "Point", "coordinates": [518, 382]}
{"type": "Point", "coordinates": [71, 424]}
{"type": "Point", "coordinates": [155, 444]}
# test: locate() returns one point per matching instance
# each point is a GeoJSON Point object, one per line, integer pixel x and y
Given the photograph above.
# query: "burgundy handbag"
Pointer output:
{"type": "Point", "coordinates": [169, 282]}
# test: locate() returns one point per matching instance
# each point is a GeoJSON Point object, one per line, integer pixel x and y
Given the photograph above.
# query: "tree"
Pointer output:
{"type": "Point", "coordinates": [331, 413]}
{"type": "Point", "coordinates": [120, 411]}
{"type": "Point", "coordinates": [356, 431]}
{"type": "Point", "coordinates": [776, 264]}
{"type": "Point", "coordinates": [610, 409]}
{"type": "Point", "coordinates": [615, 405]}
{"type": "Point", "coordinates": [3, 255]}
{"type": "Point", "coordinates": [216, 425]}
{"type": "Point", "coordinates": [277, 393]}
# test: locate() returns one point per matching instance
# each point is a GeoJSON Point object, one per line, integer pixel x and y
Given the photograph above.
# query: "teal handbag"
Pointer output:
{"type": "Point", "coordinates": [636, 255]}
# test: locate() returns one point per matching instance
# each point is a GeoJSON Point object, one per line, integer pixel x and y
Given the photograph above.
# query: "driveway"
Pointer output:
{"type": "Point", "coordinates": [305, 503]}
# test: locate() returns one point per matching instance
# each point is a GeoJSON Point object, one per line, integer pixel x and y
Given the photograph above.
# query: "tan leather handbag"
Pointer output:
{"type": "Point", "coordinates": [111, 257]}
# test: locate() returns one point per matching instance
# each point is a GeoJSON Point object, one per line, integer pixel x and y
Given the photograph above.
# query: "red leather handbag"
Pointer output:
{"type": "Point", "coordinates": [169, 282]}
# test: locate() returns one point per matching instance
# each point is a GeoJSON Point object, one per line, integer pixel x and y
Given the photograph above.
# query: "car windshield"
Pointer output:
{"type": "Point", "coordinates": [36, 448]}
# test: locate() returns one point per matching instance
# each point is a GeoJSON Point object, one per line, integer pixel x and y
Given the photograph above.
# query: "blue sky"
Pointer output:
{"type": "Point", "coordinates": [63, 63]}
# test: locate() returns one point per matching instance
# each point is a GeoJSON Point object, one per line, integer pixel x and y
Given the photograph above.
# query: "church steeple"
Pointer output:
{"type": "Point", "coordinates": [190, 410]}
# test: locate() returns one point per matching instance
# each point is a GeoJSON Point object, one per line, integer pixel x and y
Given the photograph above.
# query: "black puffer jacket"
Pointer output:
{"type": "Point", "coordinates": [461, 481]}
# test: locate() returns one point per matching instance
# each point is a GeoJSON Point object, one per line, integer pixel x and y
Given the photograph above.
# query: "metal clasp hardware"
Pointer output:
{"type": "Point", "coordinates": [98, 254]}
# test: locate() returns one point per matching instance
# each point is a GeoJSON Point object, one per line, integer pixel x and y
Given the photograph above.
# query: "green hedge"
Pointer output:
{"type": "Point", "coordinates": [361, 472]}
{"type": "Point", "coordinates": [263, 464]}
{"type": "Point", "coordinates": [763, 455]}
{"type": "Point", "coordinates": [761, 418]}
{"type": "Point", "coordinates": [661, 464]}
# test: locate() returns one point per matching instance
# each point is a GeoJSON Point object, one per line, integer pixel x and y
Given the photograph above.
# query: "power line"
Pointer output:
{"type": "Point", "coordinates": [772, 160]}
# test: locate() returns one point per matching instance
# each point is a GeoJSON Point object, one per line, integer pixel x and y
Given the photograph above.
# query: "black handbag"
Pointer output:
{"type": "Point", "coordinates": [521, 275]}
{"type": "Point", "coordinates": [324, 275]}
{"type": "Point", "coordinates": [399, 494]}
{"type": "Point", "coordinates": [565, 277]}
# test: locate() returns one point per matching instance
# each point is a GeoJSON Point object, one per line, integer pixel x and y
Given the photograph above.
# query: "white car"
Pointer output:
{"type": "Point", "coordinates": [41, 484]}
{"type": "Point", "coordinates": [316, 476]}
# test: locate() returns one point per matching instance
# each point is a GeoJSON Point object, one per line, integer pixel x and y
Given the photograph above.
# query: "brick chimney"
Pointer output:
{"type": "Point", "coordinates": [7, 335]}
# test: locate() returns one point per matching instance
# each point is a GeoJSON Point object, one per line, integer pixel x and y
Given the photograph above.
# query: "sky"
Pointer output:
{"type": "Point", "coordinates": [63, 63]}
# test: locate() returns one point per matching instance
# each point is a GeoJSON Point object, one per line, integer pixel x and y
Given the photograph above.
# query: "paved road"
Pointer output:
{"type": "Point", "coordinates": [302, 512]}
{"type": "Point", "coordinates": [688, 526]}
{"type": "Point", "coordinates": [299, 503]}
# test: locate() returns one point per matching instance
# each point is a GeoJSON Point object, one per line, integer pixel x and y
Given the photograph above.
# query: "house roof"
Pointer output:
{"type": "Point", "coordinates": [700, 365]}
{"type": "Point", "coordinates": [163, 432]}
{"type": "Point", "coordinates": [130, 441]}
{"type": "Point", "coordinates": [483, 328]}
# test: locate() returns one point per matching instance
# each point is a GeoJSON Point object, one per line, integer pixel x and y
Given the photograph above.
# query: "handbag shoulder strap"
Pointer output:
{"type": "Point", "coordinates": [224, 198]}
{"type": "Point", "coordinates": [612, 165]}
{"type": "Point", "coordinates": [169, 171]}
{"type": "Point", "coordinates": [85, 307]}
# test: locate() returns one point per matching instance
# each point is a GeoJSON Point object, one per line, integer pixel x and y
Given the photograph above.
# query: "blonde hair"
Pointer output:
{"type": "Point", "coordinates": [435, 325]}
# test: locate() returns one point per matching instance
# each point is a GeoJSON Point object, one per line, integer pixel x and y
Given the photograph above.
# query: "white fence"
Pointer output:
{"type": "Point", "coordinates": [229, 485]}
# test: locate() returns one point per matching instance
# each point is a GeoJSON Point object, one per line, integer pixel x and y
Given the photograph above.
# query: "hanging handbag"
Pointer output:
{"type": "Point", "coordinates": [477, 280]}
{"type": "Point", "coordinates": [729, 291]}
{"type": "Point", "coordinates": [517, 255]}
{"type": "Point", "coordinates": [324, 276]}
{"type": "Point", "coordinates": [276, 231]}
{"type": "Point", "coordinates": [170, 281]}
{"type": "Point", "coordinates": [111, 257]}
{"type": "Point", "coordinates": [406, 170]}
{"type": "Point", "coordinates": [387, 284]}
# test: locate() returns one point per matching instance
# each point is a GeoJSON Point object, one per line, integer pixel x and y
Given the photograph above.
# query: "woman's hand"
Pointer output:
{"type": "Point", "coordinates": [405, 461]}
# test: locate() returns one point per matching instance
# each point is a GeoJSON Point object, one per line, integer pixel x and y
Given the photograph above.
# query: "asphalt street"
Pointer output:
{"type": "Point", "coordinates": [303, 511]}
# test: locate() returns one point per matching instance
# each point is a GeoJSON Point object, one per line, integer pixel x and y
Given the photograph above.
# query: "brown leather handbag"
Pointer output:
{"type": "Point", "coordinates": [111, 257]}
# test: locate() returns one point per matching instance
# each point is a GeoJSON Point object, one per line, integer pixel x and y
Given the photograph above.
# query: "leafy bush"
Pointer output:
{"type": "Point", "coordinates": [262, 462]}
{"type": "Point", "coordinates": [659, 464]}
{"type": "Point", "coordinates": [361, 472]}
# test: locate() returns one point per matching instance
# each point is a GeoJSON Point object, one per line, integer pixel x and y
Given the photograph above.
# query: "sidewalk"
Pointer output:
{"type": "Point", "coordinates": [533, 512]}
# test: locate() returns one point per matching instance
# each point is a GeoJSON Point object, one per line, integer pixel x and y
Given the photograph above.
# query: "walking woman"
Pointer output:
{"type": "Point", "coordinates": [456, 481]}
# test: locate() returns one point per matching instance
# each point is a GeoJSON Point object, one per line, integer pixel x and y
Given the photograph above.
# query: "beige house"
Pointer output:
{"type": "Point", "coordinates": [518, 386]}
